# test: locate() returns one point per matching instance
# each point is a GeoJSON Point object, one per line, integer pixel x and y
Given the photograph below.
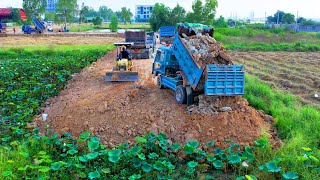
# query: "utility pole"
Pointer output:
{"type": "Point", "coordinates": [297, 21]}
{"type": "Point", "coordinates": [278, 17]}
{"type": "Point", "coordinates": [265, 19]}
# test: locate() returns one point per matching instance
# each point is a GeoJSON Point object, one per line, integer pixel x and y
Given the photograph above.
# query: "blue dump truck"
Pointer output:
{"type": "Point", "coordinates": [39, 27]}
{"type": "Point", "coordinates": [140, 49]}
{"type": "Point", "coordinates": [151, 40]}
{"type": "Point", "coordinates": [177, 69]}
{"type": "Point", "coordinates": [167, 34]}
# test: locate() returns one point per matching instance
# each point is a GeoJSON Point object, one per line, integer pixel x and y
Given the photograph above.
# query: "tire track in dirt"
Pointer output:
{"type": "Point", "coordinates": [117, 112]}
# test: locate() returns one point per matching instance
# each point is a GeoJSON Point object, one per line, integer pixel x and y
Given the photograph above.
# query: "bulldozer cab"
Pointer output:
{"type": "Point", "coordinates": [124, 70]}
{"type": "Point", "coordinates": [120, 54]}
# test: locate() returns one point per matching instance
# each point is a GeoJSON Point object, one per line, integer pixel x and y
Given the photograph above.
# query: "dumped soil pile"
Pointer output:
{"type": "Point", "coordinates": [215, 104]}
{"type": "Point", "coordinates": [206, 50]}
{"type": "Point", "coordinates": [117, 112]}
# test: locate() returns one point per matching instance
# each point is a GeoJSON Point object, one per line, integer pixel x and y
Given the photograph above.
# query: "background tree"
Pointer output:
{"type": "Point", "coordinates": [97, 21]}
{"type": "Point", "coordinates": [91, 13]}
{"type": "Point", "coordinates": [114, 23]}
{"type": "Point", "coordinates": [197, 11]}
{"type": "Point", "coordinates": [105, 12]}
{"type": "Point", "coordinates": [49, 16]}
{"type": "Point", "coordinates": [220, 22]}
{"type": "Point", "coordinates": [126, 15]}
{"type": "Point", "coordinates": [177, 14]}
{"type": "Point", "coordinates": [270, 19]}
{"type": "Point", "coordinates": [288, 18]}
{"type": "Point", "coordinates": [209, 11]}
{"type": "Point", "coordinates": [274, 18]}
{"type": "Point", "coordinates": [301, 19]}
{"type": "Point", "coordinates": [66, 9]}
{"type": "Point", "coordinates": [16, 17]}
{"type": "Point", "coordinates": [34, 8]}
{"type": "Point", "coordinates": [203, 13]}
{"type": "Point", "coordinates": [83, 11]}
{"type": "Point", "coordinates": [159, 16]}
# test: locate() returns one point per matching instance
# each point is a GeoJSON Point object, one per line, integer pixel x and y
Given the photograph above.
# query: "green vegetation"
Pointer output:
{"type": "Point", "coordinates": [34, 8]}
{"type": "Point", "coordinates": [126, 15]}
{"type": "Point", "coordinates": [41, 73]}
{"type": "Point", "coordinates": [89, 26]}
{"type": "Point", "coordinates": [202, 13]}
{"type": "Point", "coordinates": [281, 17]}
{"type": "Point", "coordinates": [65, 11]}
{"type": "Point", "coordinates": [298, 126]}
{"type": "Point", "coordinates": [162, 15]}
{"type": "Point", "coordinates": [97, 21]}
{"type": "Point", "coordinates": [258, 39]}
{"type": "Point", "coordinates": [114, 24]}
{"type": "Point", "coordinates": [27, 82]}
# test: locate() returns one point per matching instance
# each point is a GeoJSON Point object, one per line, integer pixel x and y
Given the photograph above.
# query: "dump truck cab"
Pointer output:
{"type": "Point", "coordinates": [165, 62]}
{"type": "Point", "coordinates": [168, 72]}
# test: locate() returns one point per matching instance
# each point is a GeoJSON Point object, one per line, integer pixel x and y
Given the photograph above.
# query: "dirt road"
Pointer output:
{"type": "Point", "coordinates": [117, 112]}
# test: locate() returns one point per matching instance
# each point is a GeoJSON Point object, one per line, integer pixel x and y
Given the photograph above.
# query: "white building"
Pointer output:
{"type": "Point", "coordinates": [143, 12]}
{"type": "Point", "coordinates": [51, 5]}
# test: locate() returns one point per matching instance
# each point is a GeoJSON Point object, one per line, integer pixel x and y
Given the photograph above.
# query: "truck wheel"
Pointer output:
{"type": "Point", "coordinates": [180, 95]}
{"type": "Point", "coordinates": [159, 82]}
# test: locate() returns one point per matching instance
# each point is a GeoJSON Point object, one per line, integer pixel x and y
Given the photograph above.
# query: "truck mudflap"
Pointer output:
{"type": "Point", "coordinates": [225, 80]}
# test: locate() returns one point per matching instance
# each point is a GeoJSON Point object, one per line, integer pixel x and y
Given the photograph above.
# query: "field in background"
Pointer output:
{"type": "Point", "coordinates": [55, 40]}
{"type": "Point", "coordinates": [89, 26]}
{"type": "Point", "coordinates": [294, 72]}
{"type": "Point", "coordinates": [247, 39]}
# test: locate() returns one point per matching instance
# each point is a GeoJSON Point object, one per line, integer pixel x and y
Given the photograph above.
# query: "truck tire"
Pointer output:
{"type": "Point", "coordinates": [159, 82]}
{"type": "Point", "coordinates": [180, 95]}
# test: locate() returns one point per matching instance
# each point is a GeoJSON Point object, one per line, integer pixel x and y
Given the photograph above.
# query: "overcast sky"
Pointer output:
{"type": "Point", "coordinates": [226, 8]}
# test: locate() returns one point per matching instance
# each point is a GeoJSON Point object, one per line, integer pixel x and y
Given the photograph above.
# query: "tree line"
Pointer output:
{"type": "Point", "coordinates": [69, 11]}
{"type": "Point", "coordinates": [105, 13]}
{"type": "Point", "coordinates": [288, 18]}
{"type": "Point", "coordinates": [201, 13]}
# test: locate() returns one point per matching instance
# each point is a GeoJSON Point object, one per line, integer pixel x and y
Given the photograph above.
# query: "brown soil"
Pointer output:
{"type": "Point", "coordinates": [55, 40]}
{"type": "Point", "coordinates": [117, 112]}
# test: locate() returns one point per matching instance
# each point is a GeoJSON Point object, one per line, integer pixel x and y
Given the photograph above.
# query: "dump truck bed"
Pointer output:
{"type": "Point", "coordinates": [193, 72]}
{"type": "Point", "coordinates": [213, 79]}
{"type": "Point", "coordinates": [139, 38]}
{"type": "Point", "coordinates": [38, 24]}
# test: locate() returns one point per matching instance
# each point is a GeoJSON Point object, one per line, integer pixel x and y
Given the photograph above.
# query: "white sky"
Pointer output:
{"type": "Point", "coordinates": [226, 8]}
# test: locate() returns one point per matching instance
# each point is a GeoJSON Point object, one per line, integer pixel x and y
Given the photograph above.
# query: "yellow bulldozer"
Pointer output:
{"type": "Point", "coordinates": [124, 71]}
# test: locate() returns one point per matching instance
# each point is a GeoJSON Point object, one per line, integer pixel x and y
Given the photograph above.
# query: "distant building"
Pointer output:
{"type": "Point", "coordinates": [51, 5]}
{"type": "Point", "coordinates": [143, 12]}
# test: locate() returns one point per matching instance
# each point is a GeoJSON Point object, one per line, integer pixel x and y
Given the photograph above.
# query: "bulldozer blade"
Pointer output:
{"type": "Point", "coordinates": [119, 76]}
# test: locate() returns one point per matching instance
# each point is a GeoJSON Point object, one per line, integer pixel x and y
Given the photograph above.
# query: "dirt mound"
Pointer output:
{"type": "Point", "coordinates": [117, 112]}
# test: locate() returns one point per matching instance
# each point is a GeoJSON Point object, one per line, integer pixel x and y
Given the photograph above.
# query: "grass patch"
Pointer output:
{"type": "Point", "coordinates": [89, 26]}
{"type": "Point", "coordinates": [298, 125]}
{"type": "Point", "coordinates": [257, 46]}
{"type": "Point", "coordinates": [249, 39]}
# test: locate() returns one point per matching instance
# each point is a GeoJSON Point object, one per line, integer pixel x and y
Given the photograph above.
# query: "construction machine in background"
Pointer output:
{"type": "Point", "coordinates": [140, 49]}
{"type": "Point", "coordinates": [38, 29]}
{"type": "Point", "coordinates": [151, 40]}
{"type": "Point", "coordinates": [123, 71]}
{"type": "Point", "coordinates": [166, 34]}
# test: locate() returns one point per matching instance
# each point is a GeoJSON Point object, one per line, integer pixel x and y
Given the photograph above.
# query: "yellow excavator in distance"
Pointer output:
{"type": "Point", "coordinates": [124, 70]}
